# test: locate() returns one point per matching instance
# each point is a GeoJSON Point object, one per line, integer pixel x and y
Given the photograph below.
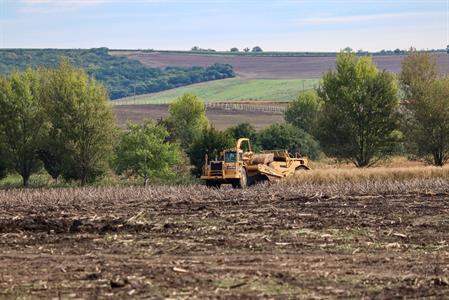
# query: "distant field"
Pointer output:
{"type": "Point", "coordinates": [266, 67]}
{"type": "Point", "coordinates": [218, 117]}
{"type": "Point", "coordinates": [231, 90]}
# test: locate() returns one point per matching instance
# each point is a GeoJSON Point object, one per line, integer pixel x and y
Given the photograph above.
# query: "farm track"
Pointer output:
{"type": "Point", "coordinates": [370, 240]}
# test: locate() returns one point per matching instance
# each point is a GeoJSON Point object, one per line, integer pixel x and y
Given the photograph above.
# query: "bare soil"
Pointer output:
{"type": "Point", "coordinates": [272, 242]}
{"type": "Point", "coordinates": [220, 118]}
{"type": "Point", "coordinates": [267, 67]}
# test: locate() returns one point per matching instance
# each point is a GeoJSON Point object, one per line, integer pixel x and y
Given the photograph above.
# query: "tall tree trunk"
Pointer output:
{"type": "Point", "coordinates": [438, 158]}
{"type": "Point", "coordinates": [83, 177]}
{"type": "Point", "coordinates": [26, 180]}
{"type": "Point", "coordinates": [146, 180]}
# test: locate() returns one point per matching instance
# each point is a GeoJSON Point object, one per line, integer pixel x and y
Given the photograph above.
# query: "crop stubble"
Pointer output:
{"type": "Point", "coordinates": [374, 239]}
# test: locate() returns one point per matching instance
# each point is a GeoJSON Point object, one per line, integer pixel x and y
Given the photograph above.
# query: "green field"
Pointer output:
{"type": "Point", "coordinates": [234, 89]}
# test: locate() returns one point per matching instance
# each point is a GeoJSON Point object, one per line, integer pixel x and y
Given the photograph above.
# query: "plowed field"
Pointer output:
{"type": "Point", "coordinates": [267, 67]}
{"type": "Point", "coordinates": [373, 240]}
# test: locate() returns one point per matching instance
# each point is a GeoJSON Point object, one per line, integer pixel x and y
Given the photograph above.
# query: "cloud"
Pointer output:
{"type": "Point", "coordinates": [366, 18]}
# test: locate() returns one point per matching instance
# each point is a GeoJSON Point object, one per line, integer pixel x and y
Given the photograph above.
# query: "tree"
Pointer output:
{"type": "Point", "coordinates": [288, 137]}
{"type": "Point", "coordinates": [447, 49]}
{"type": "Point", "coordinates": [418, 69]}
{"type": "Point", "coordinates": [426, 107]}
{"type": "Point", "coordinates": [210, 142]}
{"type": "Point", "coordinates": [52, 153]}
{"type": "Point", "coordinates": [303, 112]}
{"type": "Point", "coordinates": [348, 50]}
{"type": "Point", "coordinates": [430, 123]}
{"type": "Point", "coordinates": [257, 49]}
{"type": "Point", "coordinates": [234, 49]}
{"type": "Point", "coordinates": [246, 49]}
{"type": "Point", "coordinates": [144, 151]}
{"type": "Point", "coordinates": [79, 112]}
{"type": "Point", "coordinates": [359, 118]}
{"type": "Point", "coordinates": [4, 162]}
{"type": "Point", "coordinates": [22, 121]}
{"type": "Point", "coordinates": [187, 119]}
{"type": "Point", "coordinates": [243, 130]}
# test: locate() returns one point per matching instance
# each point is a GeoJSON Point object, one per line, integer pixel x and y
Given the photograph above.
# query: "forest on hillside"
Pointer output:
{"type": "Point", "coordinates": [122, 76]}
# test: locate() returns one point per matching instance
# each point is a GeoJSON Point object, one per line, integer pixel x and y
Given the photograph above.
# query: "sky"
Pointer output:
{"type": "Point", "coordinates": [274, 25]}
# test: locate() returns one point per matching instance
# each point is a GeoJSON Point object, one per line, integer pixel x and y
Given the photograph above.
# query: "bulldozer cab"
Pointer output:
{"type": "Point", "coordinates": [232, 156]}
{"type": "Point", "coordinates": [242, 152]}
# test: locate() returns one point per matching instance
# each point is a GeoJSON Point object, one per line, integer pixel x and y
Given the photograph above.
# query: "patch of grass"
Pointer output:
{"type": "Point", "coordinates": [273, 288]}
{"type": "Point", "coordinates": [36, 181]}
{"type": "Point", "coordinates": [264, 286]}
{"type": "Point", "coordinates": [230, 90]}
{"type": "Point", "coordinates": [431, 220]}
{"type": "Point", "coordinates": [43, 180]}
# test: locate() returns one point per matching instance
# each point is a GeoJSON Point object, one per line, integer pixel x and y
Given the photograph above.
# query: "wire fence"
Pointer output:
{"type": "Point", "coordinates": [271, 109]}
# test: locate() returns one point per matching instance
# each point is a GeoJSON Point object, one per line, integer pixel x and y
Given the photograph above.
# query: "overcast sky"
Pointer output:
{"type": "Point", "coordinates": [283, 25]}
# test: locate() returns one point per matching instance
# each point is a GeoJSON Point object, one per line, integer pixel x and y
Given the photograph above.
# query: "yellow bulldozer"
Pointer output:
{"type": "Point", "coordinates": [241, 167]}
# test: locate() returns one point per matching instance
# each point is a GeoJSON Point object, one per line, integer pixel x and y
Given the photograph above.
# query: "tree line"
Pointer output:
{"type": "Point", "coordinates": [59, 120]}
{"type": "Point", "coordinates": [362, 114]}
{"type": "Point", "coordinates": [122, 76]}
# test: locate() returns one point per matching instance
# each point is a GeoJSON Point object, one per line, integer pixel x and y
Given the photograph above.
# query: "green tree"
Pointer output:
{"type": "Point", "coordinates": [426, 107]}
{"type": "Point", "coordinates": [144, 151]}
{"type": "Point", "coordinates": [4, 161]}
{"type": "Point", "coordinates": [418, 69]}
{"type": "Point", "coordinates": [52, 153]}
{"type": "Point", "coordinates": [303, 112]}
{"type": "Point", "coordinates": [288, 137]}
{"type": "Point", "coordinates": [257, 49]}
{"type": "Point", "coordinates": [80, 114]}
{"type": "Point", "coordinates": [430, 122]}
{"type": "Point", "coordinates": [234, 49]}
{"type": "Point", "coordinates": [244, 130]}
{"type": "Point", "coordinates": [187, 119]}
{"type": "Point", "coordinates": [22, 121]}
{"type": "Point", "coordinates": [210, 142]}
{"type": "Point", "coordinates": [359, 118]}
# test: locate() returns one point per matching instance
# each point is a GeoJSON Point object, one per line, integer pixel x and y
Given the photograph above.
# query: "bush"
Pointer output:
{"type": "Point", "coordinates": [286, 136]}
{"type": "Point", "coordinates": [187, 119]}
{"type": "Point", "coordinates": [303, 112]}
{"type": "Point", "coordinates": [244, 130]}
{"type": "Point", "coordinates": [210, 142]}
{"type": "Point", "coordinates": [144, 151]}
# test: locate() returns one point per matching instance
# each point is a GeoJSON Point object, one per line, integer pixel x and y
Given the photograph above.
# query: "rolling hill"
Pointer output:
{"type": "Point", "coordinates": [121, 76]}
